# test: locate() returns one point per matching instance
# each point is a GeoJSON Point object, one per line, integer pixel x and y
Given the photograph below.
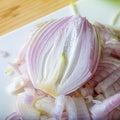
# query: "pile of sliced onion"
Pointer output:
{"type": "Point", "coordinates": [68, 69]}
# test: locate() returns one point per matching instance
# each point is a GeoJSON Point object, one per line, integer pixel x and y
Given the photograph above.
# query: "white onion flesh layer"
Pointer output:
{"type": "Point", "coordinates": [64, 52]}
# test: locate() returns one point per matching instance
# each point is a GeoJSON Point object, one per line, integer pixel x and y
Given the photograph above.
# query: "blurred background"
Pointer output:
{"type": "Point", "coordinates": [16, 13]}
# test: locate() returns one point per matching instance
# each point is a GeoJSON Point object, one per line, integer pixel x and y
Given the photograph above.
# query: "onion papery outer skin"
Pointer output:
{"type": "Point", "coordinates": [63, 52]}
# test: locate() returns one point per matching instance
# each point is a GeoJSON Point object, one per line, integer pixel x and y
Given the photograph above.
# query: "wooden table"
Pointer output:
{"type": "Point", "coordinates": [16, 13]}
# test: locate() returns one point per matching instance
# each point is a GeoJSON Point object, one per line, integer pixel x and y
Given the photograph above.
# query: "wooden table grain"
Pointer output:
{"type": "Point", "coordinates": [16, 13]}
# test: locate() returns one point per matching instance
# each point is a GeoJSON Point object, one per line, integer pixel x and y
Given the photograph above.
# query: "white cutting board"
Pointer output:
{"type": "Point", "coordinates": [94, 10]}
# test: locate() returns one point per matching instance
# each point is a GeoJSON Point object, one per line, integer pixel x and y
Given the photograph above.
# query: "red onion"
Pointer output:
{"type": "Point", "coordinates": [59, 49]}
{"type": "Point", "coordinates": [69, 69]}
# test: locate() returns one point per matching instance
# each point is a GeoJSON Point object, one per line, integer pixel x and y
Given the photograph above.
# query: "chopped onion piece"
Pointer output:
{"type": "Point", "coordinates": [27, 111]}
{"type": "Point", "coordinates": [112, 78]}
{"type": "Point", "coordinates": [45, 105]}
{"type": "Point", "coordinates": [100, 110]}
{"type": "Point", "coordinates": [59, 107]}
{"type": "Point", "coordinates": [82, 110]}
{"type": "Point", "coordinates": [17, 85]}
{"type": "Point", "coordinates": [14, 116]}
{"type": "Point", "coordinates": [71, 108]}
{"type": "Point", "coordinates": [114, 115]}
